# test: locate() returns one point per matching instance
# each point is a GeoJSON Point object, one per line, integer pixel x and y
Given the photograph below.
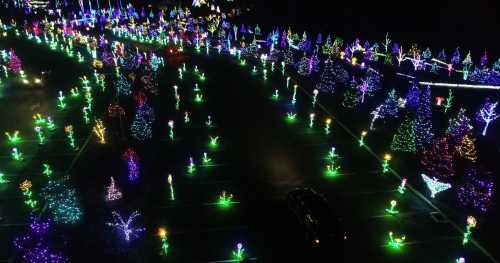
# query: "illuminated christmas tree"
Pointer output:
{"type": "Point", "coordinates": [141, 128]}
{"type": "Point", "coordinates": [327, 79]}
{"type": "Point", "coordinates": [373, 81]}
{"type": "Point", "coordinates": [62, 202]}
{"type": "Point", "coordinates": [404, 139]}
{"type": "Point", "coordinates": [14, 63]}
{"type": "Point", "coordinates": [427, 54]}
{"type": "Point", "coordinates": [423, 121]}
{"type": "Point", "coordinates": [340, 74]}
{"type": "Point", "coordinates": [289, 57]}
{"type": "Point", "coordinates": [307, 66]}
{"type": "Point", "coordinates": [123, 87]}
{"type": "Point", "coordinates": [413, 97]}
{"type": "Point", "coordinates": [304, 44]}
{"type": "Point", "coordinates": [34, 246]}
{"type": "Point", "coordinates": [390, 106]}
{"type": "Point", "coordinates": [458, 127]}
{"type": "Point", "coordinates": [477, 192]}
{"type": "Point", "coordinates": [442, 55]}
{"type": "Point", "coordinates": [483, 63]}
{"type": "Point", "coordinates": [437, 158]}
{"type": "Point", "coordinates": [455, 59]}
{"type": "Point", "coordinates": [351, 96]}
{"type": "Point", "coordinates": [467, 149]}
{"type": "Point", "coordinates": [496, 65]}
{"type": "Point", "coordinates": [327, 46]}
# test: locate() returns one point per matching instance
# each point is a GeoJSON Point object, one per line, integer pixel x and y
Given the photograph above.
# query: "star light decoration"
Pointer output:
{"type": "Point", "coordinates": [126, 227]}
{"type": "Point", "coordinates": [434, 185]}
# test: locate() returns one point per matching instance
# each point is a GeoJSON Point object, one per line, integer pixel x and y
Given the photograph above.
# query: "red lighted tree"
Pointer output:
{"type": "Point", "coordinates": [438, 158]}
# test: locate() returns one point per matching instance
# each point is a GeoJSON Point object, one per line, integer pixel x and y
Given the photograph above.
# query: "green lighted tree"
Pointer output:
{"type": "Point", "coordinates": [405, 140]}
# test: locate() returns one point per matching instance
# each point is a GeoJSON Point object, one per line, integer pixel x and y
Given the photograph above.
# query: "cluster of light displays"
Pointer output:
{"type": "Point", "coordinates": [414, 134]}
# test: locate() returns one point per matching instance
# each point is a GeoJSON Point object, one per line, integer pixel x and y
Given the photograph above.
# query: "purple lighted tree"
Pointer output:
{"type": "Point", "coordinates": [455, 60]}
{"type": "Point", "coordinates": [477, 192]}
{"type": "Point", "coordinates": [14, 63]}
{"type": "Point", "coordinates": [413, 97]}
{"type": "Point", "coordinates": [35, 246]}
{"type": "Point", "coordinates": [487, 114]}
{"type": "Point", "coordinates": [283, 43]}
{"type": "Point", "coordinates": [483, 63]}
{"type": "Point", "coordinates": [423, 121]}
{"type": "Point", "coordinates": [458, 126]}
